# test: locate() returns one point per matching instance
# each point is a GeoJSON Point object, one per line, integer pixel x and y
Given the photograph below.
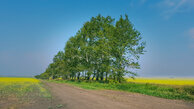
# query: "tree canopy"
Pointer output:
{"type": "Point", "coordinates": [101, 50]}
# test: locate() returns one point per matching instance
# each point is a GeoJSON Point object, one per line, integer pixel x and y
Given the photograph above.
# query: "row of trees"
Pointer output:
{"type": "Point", "coordinates": [101, 50]}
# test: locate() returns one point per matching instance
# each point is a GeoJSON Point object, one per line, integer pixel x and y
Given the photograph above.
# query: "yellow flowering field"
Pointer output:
{"type": "Point", "coordinates": [165, 81]}
{"type": "Point", "coordinates": [21, 87]}
{"type": "Point", "coordinates": [14, 79]}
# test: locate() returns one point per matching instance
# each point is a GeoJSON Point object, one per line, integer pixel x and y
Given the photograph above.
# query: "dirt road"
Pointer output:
{"type": "Point", "coordinates": [70, 97]}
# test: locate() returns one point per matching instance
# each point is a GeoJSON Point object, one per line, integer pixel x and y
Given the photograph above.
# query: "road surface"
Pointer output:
{"type": "Point", "coordinates": [70, 97]}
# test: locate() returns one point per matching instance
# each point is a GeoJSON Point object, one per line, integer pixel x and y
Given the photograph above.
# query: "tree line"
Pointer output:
{"type": "Point", "coordinates": [103, 49]}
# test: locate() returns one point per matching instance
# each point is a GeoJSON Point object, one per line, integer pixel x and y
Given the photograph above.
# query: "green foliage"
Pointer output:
{"type": "Point", "coordinates": [102, 50]}
{"type": "Point", "coordinates": [59, 106]}
{"type": "Point", "coordinates": [164, 91]}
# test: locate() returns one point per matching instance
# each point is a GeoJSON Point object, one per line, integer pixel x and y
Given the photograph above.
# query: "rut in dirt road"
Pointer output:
{"type": "Point", "coordinates": [76, 98]}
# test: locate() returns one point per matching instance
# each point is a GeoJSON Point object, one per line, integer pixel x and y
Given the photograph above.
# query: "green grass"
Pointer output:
{"type": "Point", "coordinates": [163, 91]}
{"type": "Point", "coordinates": [16, 93]}
{"type": "Point", "coordinates": [22, 88]}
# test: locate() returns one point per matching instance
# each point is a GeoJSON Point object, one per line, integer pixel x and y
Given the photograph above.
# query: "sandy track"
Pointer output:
{"type": "Point", "coordinates": [76, 98]}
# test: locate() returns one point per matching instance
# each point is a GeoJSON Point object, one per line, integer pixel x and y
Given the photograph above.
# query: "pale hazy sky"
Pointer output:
{"type": "Point", "coordinates": [33, 31]}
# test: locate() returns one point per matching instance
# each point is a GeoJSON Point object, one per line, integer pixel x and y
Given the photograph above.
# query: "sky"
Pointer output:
{"type": "Point", "coordinates": [33, 31]}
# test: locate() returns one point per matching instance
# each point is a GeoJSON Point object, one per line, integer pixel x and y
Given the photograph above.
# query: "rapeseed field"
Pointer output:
{"type": "Point", "coordinates": [19, 87]}
{"type": "Point", "coordinates": [164, 81]}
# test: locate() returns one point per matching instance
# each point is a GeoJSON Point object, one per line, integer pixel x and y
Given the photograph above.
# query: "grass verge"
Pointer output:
{"type": "Point", "coordinates": [163, 91]}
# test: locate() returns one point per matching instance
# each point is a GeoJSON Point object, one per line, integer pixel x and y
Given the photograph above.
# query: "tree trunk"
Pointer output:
{"type": "Point", "coordinates": [78, 76]}
{"type": "Point", "coordinates": [102, 76]}
{"type": "Point", "coordinates": [106, 76]}
{"type": "Point", "coordinates": [119, 77]}
{"type": "Point", "coordinates": [94, 75]}
{"type": "Point", "coordinates": [88, 78]}
{"type": "Point", "coordinates": [97, 76]}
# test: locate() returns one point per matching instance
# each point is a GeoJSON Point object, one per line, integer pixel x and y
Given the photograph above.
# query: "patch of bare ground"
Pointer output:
{"type": "Point", "coordinates": [31, 100]}
{"type": "Point", "coordinates": [15, 103]}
